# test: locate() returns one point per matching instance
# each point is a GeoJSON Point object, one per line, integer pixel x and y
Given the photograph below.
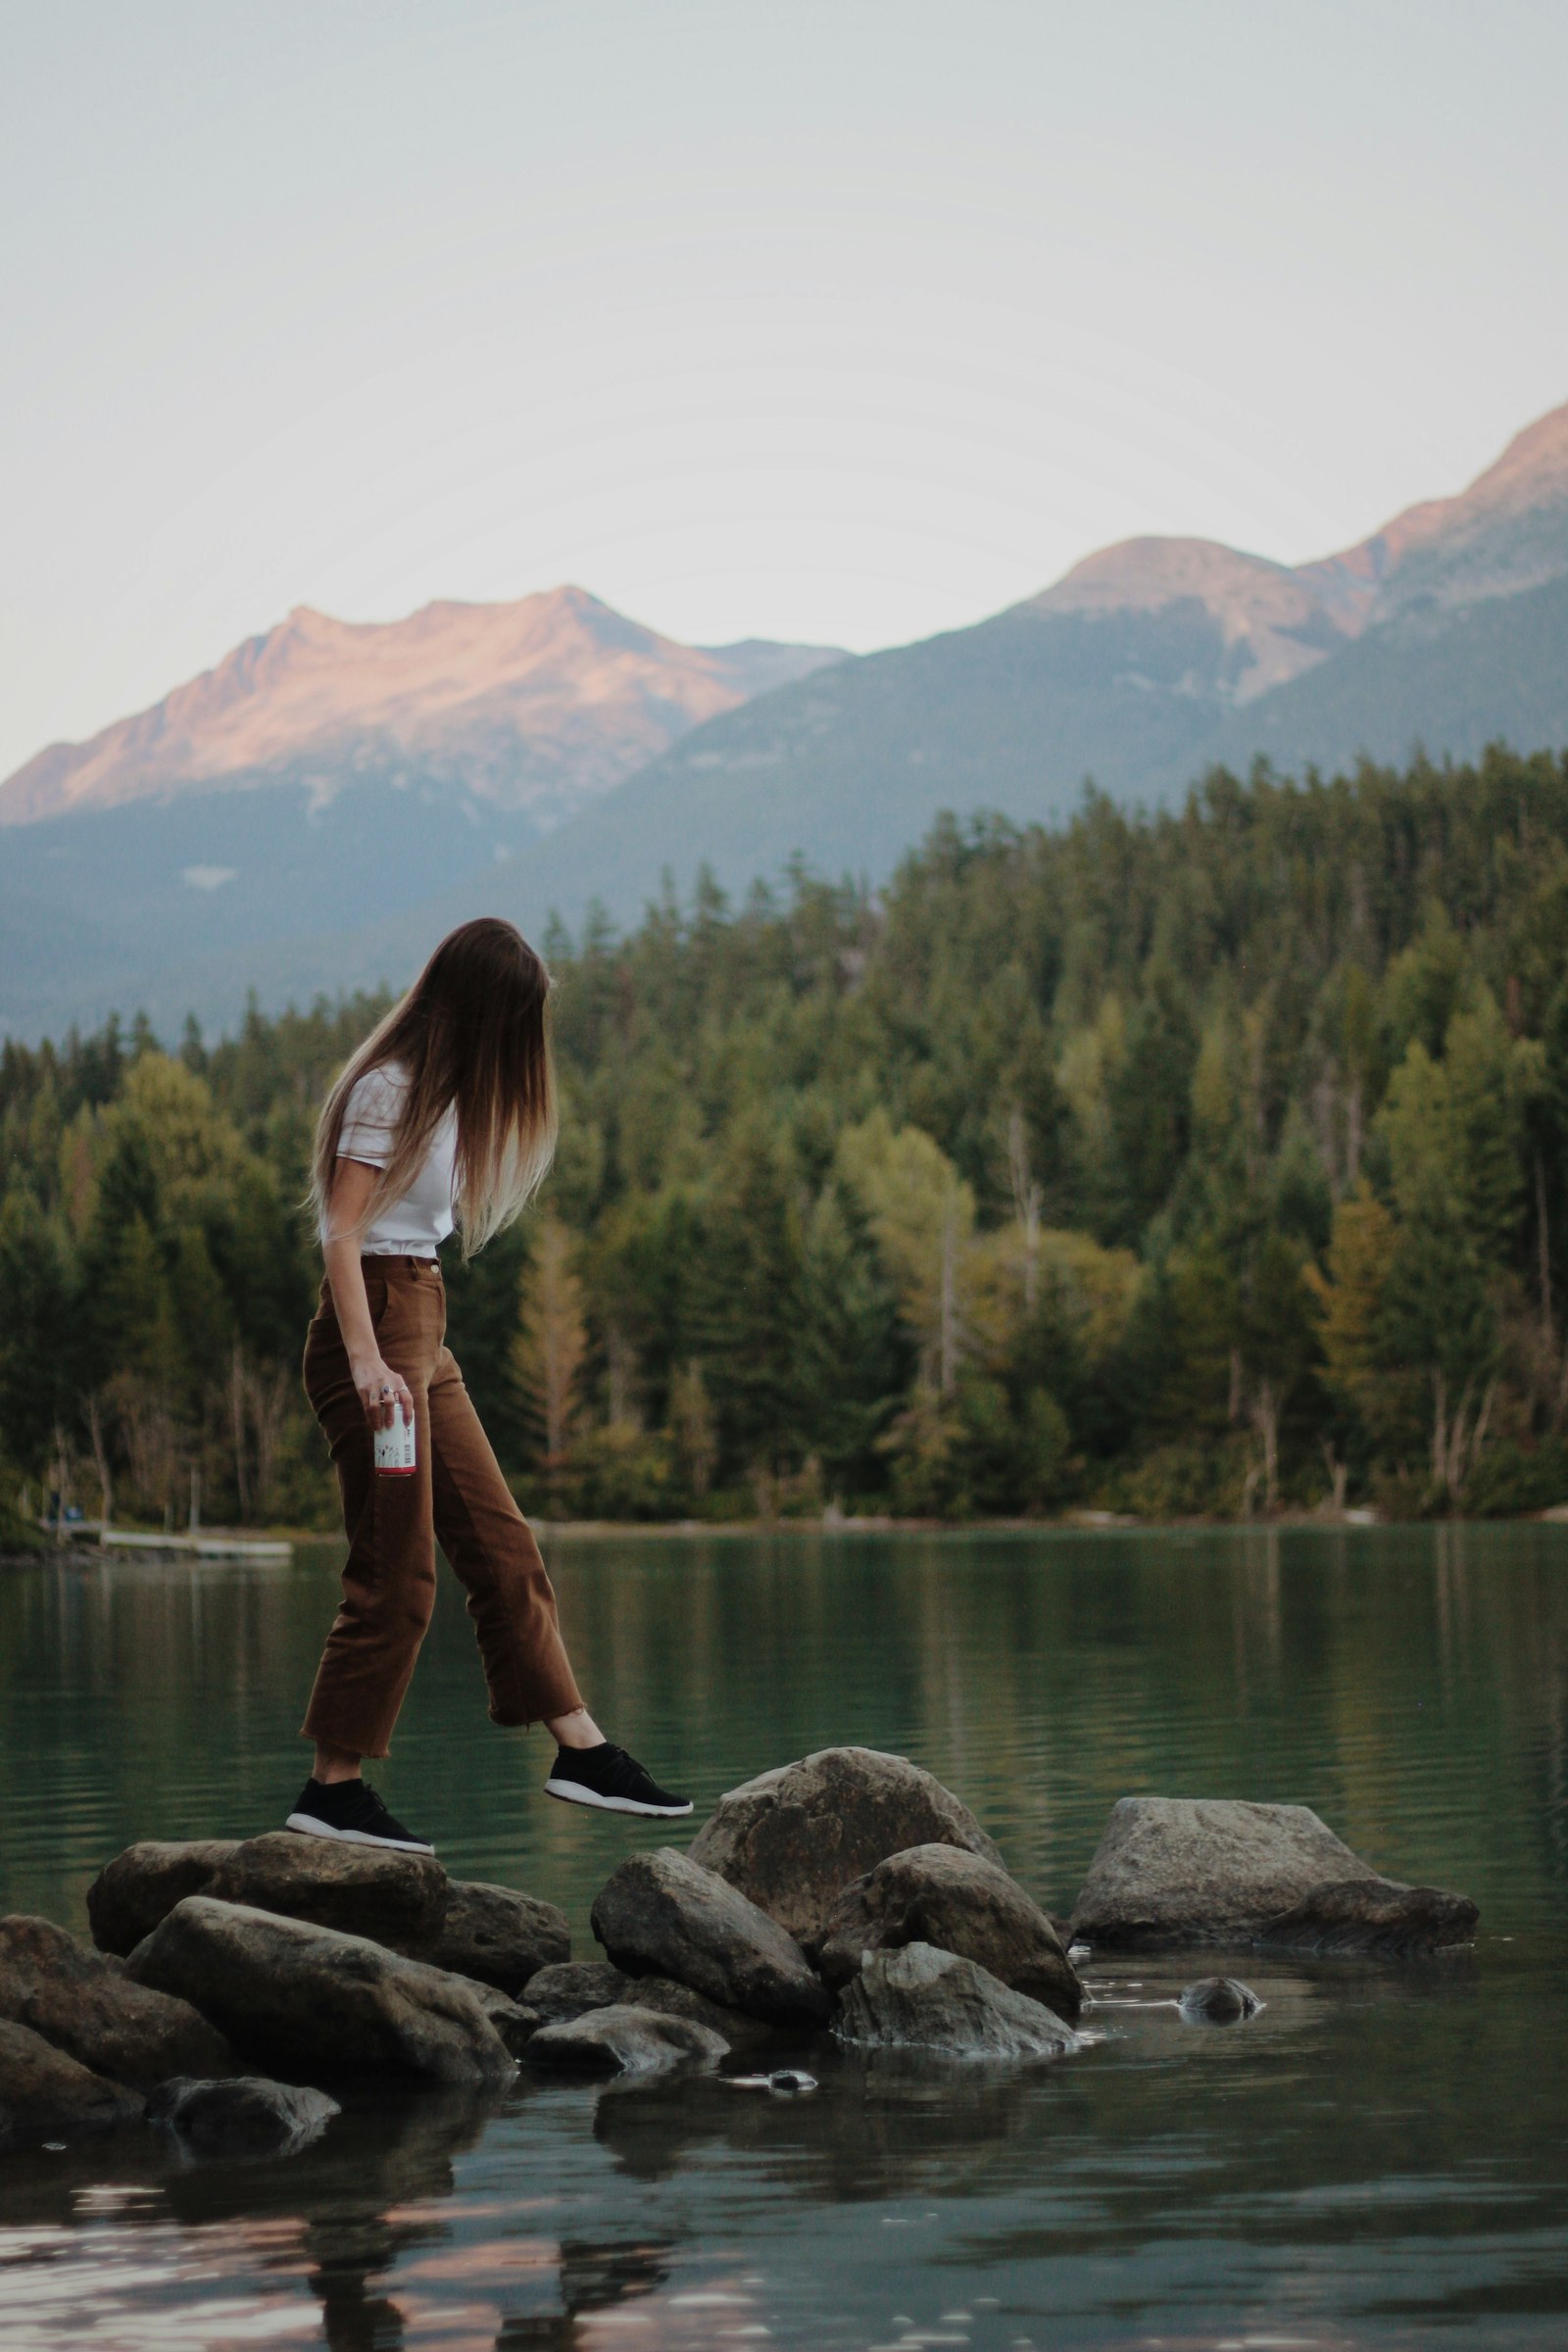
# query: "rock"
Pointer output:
{"type": "Point", "coordinates": [661, 1915]}
{"type": "Point", "coordinates": [919, 1998]}
{"type": "Point", "coordinates": [85, 2004]}
{"type": "Point", "coordinates": [516, 2025]}
{"type": "Point", "coordinates": [391, 1898]}
{"type": "Point", "coordinates": [794, 1838]}
{"type": "Point", "coordinates": [396, 1899]}
{"type": "Point", "coordinates": [962, 1903]}
{"type": "Point", "coordinates": [47, 2094]}
{"type": "Point", "coordinates": [244, 2116]}
{"type": "Point", "coordinates": [569, 1988]}
{"type": "Point", "coordinates": [501, 1938]}
{"type": "Point", "coordinates": [1377, 1917]}
{"type": "Point", "coordinates": [626, 2039]}
{"type": "Point", "coordinates": [310, 1998]}
{"type": "Point", "coordinates": [1175, 1870]}
{"type": "Point", "coordinates": [140, 1886]}
{"type": "Point", "coordinates": [1218, 2001]}
{"type": "Point", "coordinates": [679, 2000]}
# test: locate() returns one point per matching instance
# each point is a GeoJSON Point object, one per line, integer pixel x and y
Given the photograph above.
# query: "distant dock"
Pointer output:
{"type": "Point", "coordinates": [199, 1544]}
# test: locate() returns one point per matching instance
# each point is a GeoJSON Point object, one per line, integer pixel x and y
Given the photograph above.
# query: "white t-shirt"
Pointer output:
{"type": "Point", "coordinates": [417, 1225]}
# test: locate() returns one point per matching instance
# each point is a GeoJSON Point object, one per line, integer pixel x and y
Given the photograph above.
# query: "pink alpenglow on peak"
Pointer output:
{"type": "Point", "coordinates": [539, 705]}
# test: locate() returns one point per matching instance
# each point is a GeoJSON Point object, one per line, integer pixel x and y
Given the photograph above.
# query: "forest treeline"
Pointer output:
{"type": "Point", "coordinates": [1202, 1162]}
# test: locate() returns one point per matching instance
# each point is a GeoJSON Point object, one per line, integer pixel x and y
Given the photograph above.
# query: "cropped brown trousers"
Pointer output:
{"type": "Point", "coordinates": [457, 1495]}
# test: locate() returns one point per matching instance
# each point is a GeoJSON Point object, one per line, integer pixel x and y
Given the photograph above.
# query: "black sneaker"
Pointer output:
{"type": "Point", "coordinates": [606, 1777]}
{"type": "Point", "coordinates": [354, 1814]}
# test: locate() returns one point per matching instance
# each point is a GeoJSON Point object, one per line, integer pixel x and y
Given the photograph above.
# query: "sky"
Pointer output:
{"type": "Point", "coordinates": [844, 321]}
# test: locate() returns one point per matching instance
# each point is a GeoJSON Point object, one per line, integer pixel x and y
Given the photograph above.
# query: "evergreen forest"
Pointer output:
{"type": "Point", "coordinates": [1208, 1162]}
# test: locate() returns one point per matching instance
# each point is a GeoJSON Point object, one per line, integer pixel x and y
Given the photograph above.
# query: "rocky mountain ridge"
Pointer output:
{"type": "Point", "coordinates": [534, 706]}
{"type": "Point", "coordinates": [550, 756]}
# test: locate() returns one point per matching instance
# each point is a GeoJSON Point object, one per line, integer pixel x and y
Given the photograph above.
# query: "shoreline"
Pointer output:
{"type": "Point", "coordinates": [1083, 1523]}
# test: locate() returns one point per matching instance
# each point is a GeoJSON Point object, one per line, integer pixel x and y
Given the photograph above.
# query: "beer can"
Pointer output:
{"type": "Point", "coordinates": [394, 1448]}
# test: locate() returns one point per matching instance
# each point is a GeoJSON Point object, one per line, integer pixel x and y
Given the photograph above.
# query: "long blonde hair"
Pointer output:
{"type": "Point", "coordinates": [471, 1035]}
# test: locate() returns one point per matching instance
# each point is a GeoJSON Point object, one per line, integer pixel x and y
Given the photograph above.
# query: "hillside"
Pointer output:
{"type": "Point", "coordinates": [323, 775]}
{"type": "Point", "coordinates": [1165, 1165]}
{"type": "Point", "coordinates": [1147, 664]}
{"type": "Point", "coordinates": [535, 759]}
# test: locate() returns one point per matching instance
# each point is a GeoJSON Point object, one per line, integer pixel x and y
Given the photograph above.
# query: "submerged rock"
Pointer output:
{"type": "Point", "coordinates": [793, 1839]}
{"type": "Point", "coordinates": [626, 2039]}
{"type": "Point", "coordinates": [85, 2004]}
{"type": "Point", "coordinates": [140, 1886]}
{"type": "Point", "coordinates": [1172, 1870]}
{"type": "Point", "coordinates": [47, 2094]}
{"type": "Point", "coordinates": [313, 1999]}
{"type": "Point", "coordinates": [1218, 2001]}
{"type": "Point", "coordinates": [499, 1936]}
{"type": "Point", "coordinates": [661, 1915]}
{"type": "Point", "coordinates": [1377, 1917]}
{"type": "Point", "coordinates": [246, 2115]}
{"type": "Point", "coordinates": [919, 1998]}
{"type": "Point", "coordinates": [960, 1902]}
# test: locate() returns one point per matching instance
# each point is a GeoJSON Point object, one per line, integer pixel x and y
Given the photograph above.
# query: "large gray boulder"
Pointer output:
{"type": "Point", "coordinates": [245, 2116]}
{"type": "Point", "coordinates": [793, 1839]}
{"type": "Point", "coordinates": [140, 1886]}
{"type": "Point", "coordinates": [501, 1937]}
{"type": "Point", "coordinates": [626, 2039]}
{"type": "Point", "coordinates": [662, 1915]}
{"type": "Point", "coordinates": [1375, 1917]}
{"type": "Point", "coordinates": [47, 2094]}
{"type": "Point", "coordinates": [1176, 1870]}
{"type": "Point", "coordinates": [314, 2000]}
{"type": "Point", "coordinates": [85, 2004]}
{"type": "Point", "coordinates": [396, 1899]}
{"type": "Point", "coordinates": [919, 1999]}
{"type": "Point", "coordinates": [960, 1902]}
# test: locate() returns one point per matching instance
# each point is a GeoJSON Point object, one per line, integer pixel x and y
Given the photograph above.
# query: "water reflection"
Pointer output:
{"type": "Point", "coordinates": [1372, 2162]}
{"type": "Point", "coordinates": [368, 2222]}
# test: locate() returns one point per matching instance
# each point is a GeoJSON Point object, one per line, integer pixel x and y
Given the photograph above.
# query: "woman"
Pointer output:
{"type": "Point", "coordinates": [445, 1115]}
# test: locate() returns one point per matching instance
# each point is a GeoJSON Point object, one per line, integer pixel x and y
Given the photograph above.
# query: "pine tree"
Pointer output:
{"type": "Point", "coordinates": [551, 1345]}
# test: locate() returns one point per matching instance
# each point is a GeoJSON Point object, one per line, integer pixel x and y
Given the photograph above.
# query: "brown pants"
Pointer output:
{"type": "Point", "coordinates": [458, 1495]}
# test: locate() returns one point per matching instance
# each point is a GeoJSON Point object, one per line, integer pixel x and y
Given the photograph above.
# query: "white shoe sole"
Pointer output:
{"type": "Point", "coordinates": [309, 1827]}
{"type": "Point", "coordinates": [573, 1792]}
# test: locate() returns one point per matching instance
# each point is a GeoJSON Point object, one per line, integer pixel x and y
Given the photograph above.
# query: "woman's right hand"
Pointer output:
{"type": "Point", "coordinates": [381, 1391]}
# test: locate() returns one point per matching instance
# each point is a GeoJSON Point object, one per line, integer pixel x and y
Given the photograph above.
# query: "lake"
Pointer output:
{"type": "Point", "coordinates": [1380, 2159]}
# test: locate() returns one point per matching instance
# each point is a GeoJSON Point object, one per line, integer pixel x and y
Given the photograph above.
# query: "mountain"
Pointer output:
{"type": "Point", "coordinates": [323, 775]}
{"type": "Point", "coordinates": [316, 811]}
{"type": "Point", "coordinates": [535, 705]}
{"type": "Point", "coordinates": [1147, 664]}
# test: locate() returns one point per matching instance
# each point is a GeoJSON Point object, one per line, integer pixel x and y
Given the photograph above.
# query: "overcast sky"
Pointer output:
{"type": "Point", "coordinates": [841, 319]}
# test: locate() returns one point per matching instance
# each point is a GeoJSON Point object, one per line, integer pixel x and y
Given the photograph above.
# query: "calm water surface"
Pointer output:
{"type": "Point", "coordinates": [1380, 2159]}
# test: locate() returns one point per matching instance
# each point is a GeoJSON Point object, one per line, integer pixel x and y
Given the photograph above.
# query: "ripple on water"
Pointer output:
{"type": "Point", "coordinates": [1372, 2162]}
